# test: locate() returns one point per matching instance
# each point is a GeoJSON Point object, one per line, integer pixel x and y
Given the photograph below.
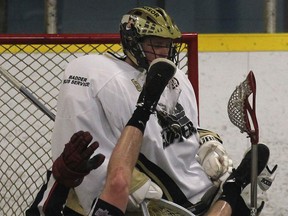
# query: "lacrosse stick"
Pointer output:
{"type": "Point", "coordinates": [243, 116]}
{"type": "Point", "coordinates": [163, 208]}
{"type": "Point", "coordinates": [28, 94]}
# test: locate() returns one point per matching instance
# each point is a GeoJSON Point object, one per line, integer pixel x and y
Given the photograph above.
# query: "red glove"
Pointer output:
{"type": "Point", "coordinates": [74, 163]}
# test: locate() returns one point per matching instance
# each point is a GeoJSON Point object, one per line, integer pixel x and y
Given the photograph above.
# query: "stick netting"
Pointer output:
{"type": "Point", "coordinates": [236, 105]}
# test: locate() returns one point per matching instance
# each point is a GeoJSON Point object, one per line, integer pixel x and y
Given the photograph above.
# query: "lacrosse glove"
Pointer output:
{"type": "Point", "coordinates": [75, 163]}
{"type": "Point", "coordinates": [212, 155]}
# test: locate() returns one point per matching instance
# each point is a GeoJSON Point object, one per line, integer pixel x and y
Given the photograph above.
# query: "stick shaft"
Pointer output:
{"type": "Point", "coordinates": [254, 174]}
{"type": "Point", "coordinates": [28, 94]}
{"type": "Point", "coordinates": [37, 103]}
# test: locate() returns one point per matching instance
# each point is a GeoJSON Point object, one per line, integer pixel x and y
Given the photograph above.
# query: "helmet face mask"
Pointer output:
{"type": "Point", "coordinates": [157, 47]}
{"type": "Point", "coordinates": [142, 23]}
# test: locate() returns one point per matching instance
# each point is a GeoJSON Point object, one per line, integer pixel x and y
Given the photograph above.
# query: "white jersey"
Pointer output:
{"type": "Point", "coordinates": [99, 94]}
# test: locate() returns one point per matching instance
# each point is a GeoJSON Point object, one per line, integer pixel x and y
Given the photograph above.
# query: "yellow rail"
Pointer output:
{"type": "Point", "coordinates": [206, 43]}
{"type": "Point", "coordinates": [242, 42]}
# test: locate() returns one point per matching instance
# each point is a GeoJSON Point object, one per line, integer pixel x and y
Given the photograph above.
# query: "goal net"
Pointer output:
{"type": "Point", "coordinates": [37, 62]}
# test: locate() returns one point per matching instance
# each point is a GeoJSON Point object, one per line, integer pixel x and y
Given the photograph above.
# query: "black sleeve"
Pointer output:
{"type": "Point", "coordinates": [54, 202]}
{"type": "Point", "coordinates": [105, 208]}
{"type": "Point", "coordinates": [57, 198]}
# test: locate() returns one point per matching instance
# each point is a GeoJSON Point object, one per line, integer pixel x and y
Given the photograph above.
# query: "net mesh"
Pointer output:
{"type": "Point", "coordinates": [37, 62]}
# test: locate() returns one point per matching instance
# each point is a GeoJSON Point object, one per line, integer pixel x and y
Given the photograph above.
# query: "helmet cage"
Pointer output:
{"type": "Point", "coordinates": [140, 23]}
{"type": "Point", "coordinates": [173, 53]}
{"type": "Point", "coordinates": [132, 46]}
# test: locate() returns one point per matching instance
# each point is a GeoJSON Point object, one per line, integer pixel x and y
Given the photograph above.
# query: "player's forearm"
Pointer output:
{"type": "Point", "coordinates": [126, 151]}
{"type": "Point", "coordinates": [120, 167]}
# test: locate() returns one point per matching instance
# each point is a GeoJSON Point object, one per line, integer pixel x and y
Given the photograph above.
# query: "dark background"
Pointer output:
{"type": "Point", "coordinates": [98, 16]}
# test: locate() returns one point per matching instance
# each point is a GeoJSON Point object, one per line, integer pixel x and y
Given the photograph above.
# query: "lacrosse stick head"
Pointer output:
{"type": "Point", "coordinates": [242, 111]}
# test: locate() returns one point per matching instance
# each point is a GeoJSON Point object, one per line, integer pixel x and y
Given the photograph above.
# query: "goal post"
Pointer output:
{"type": "Point", "coordinates": [37, 61]}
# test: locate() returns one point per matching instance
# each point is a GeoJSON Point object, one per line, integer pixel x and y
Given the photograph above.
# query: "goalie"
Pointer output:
{"type": "Point", "coordinates": [103, 105]}
{"type": "Point", "coordinates": [75, 163]}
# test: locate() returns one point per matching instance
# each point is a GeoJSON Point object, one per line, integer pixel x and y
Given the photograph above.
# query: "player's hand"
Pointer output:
{"type": "Point", "coordinates": [75, 163]}
{"type": "Point", "coordinates": [213, 156]}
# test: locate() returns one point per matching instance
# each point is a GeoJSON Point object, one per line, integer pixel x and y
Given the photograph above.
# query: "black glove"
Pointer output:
{"type": "Point", "coordinates": [74, 163]}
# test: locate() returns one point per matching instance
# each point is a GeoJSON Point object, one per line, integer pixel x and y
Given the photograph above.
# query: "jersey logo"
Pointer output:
{"type": "Point", "coordinates": [77, 80]}
{"type": "Point", "coordinates": [175, 126]}
{"type": "Point", "coordinates": [102, 212]}
{"type": "Point", "coordinates": [174, 83]}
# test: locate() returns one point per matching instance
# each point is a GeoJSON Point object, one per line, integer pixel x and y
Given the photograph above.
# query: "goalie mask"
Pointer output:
{"type": "Point", "coordinates": [143, 22]}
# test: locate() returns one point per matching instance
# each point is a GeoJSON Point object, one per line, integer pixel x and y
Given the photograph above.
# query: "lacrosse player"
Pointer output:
{"type": "Point", "coordinates": [98, 94]}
